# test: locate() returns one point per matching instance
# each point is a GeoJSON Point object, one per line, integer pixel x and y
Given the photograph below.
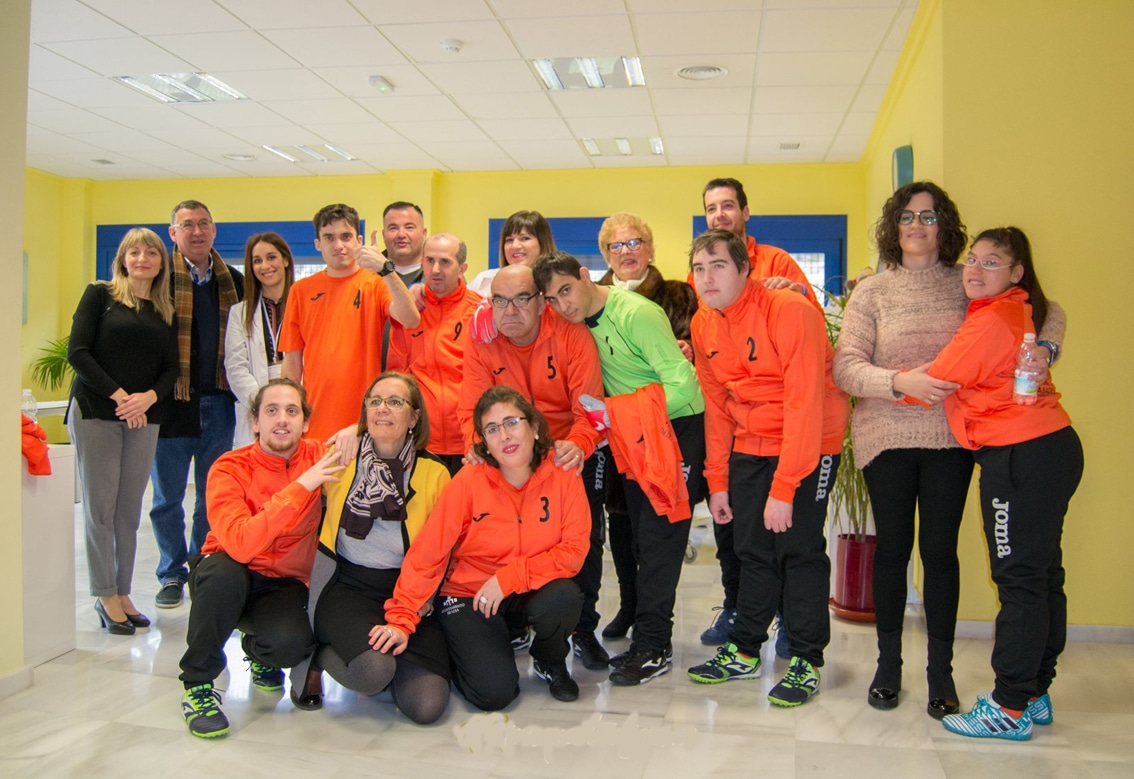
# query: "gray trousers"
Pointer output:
{"type": "Point", "coordinates": [114, 465]}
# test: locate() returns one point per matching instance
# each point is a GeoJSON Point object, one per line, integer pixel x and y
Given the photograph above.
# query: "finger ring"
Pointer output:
{"type": "Point", "coordinates": [933, 397]}
{"type": "Point", "coordinates": [483, 599]}
{"type": "Point", "coordinates": [389, 631]}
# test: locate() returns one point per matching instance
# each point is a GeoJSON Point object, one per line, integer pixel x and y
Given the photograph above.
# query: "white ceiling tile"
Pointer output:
{"type": "Point", "coordinates": [661, 73]}
{"type": "Point", "coordinates": [478, 77]}
{"type": "Point", "coordinates": [237, 50]}
{"type": "Point", "coordinates": [847, 148]}
{"type": "Point", "coordinates": [883, 68]}
{"type": "Point", "coordinates": [674, 6]}
{"type": "Point", "coordinates": [802, 100]}
{"type": "Point", "coordinates": [395, 156]}
{"type": "Point", "coordinates": [708, 127]}
{"type": "Point", "coordinates": [204, 168]}
{"type": "Point", "coordinates": [42, 142]}
{"type": "Point", "coordinates": [150, 117]}
{"type": "Point", "coordinates": [68, 20]}
{"type": "Point", "coordinates": [97, 92]}
{"type": "Point", "coordinates": [38, 101]}
{"type": "Point", "coordinates": [74, 120]}
{"type": "Point", "coordinates": [787, 126]}
{"type": "Point", "coordinates": [602, 102]}
{"type": "Point", "coordinates": [203, 140]}
{"type": "Point", "coordinates": [480, 41]}
{"type": "Point", "coordinates": [533, 9]}
{"type": "Point", "coordinates": [294, 14]}
{"type": "Point", "coordinates": [346, 136]}
{"type": "Point", "coordinates": [811, 149]}
{"type": "Point", "coordinates": [285, 84]}
{"type": "Point", "coordinates": [121, 57]}
{"type": "Point", "coordinates": [702, 100]}
{"type": "Point", "coordinates": [44, 65]}
{"type": "Point", "coordinates": [400, 12]}
{"type": "Point", "coordinates": [123, 140]}
{"type": "Point", "coordinates": [148, 17]}
{"type": "Point", "coordinates": [692, 151]}
{"type": "Point", "coordinates": [462, 131]}
{"type": "Point", "coordinates": [770, 5]}
{"type": "Point", "coordinates": [390, 108]}
{"type": "Point", "coordinates": [523, 129]}
{"type": "Point", "coordinates": [728, 32]}
{"type": "Point", "coordinates": [340, 168]}
{"type": "Point", "coordinates": [859, 29]}
{"type": "Point", "coordinates": [629, 161]}
{"type": "Point", "coordinates": [361, 46]}
{"type": "Point", "coordinates": [265, 164]}
{"type": "Point", "coordinates": [789, 69]}
{"type": "Point", "coordinates": [900, 28]}
{"type": "Point", "coordinates": [342, 110]}
{"type": "Point", "coordinates": [614, 127]}
{"type": "Point", "coordinates": [242, 113]}
{"type": "Point", "coordinates": [551, 153]}
{"type": "Point", "coordinates": [471, 155]}
{"type": "Point", "coordinates": [519, 104]}
{"type": "Point", "coordinates": [579, 36]}
{"type": "Point", "coordinates": [858, 124]}
{"type": "Point", "coordinates": [355, 81]}
{"type": "Point", "coordinates": [278, 135]}
{"type": "Point", "coordinates": [869, 99]}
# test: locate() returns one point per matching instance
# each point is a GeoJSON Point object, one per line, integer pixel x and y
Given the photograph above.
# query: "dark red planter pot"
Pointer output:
{"type": "Point", "coordinates": [854, 578]}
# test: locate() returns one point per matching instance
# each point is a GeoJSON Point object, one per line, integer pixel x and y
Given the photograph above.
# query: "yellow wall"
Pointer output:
{"type": "Point", "coordinates": [1034, 116]}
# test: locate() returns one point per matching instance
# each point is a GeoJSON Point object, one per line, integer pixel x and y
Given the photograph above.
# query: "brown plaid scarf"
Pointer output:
{"type": "Point", "coordinates": [183, 305]}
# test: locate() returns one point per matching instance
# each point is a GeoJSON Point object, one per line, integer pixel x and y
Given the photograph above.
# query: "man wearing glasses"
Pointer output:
{"type": "Point", "coordinates": [554, 363]}
{"type": "Point", "coordinates": [434, 350]}
{"type": "Point", "coordinates": [202, 417]}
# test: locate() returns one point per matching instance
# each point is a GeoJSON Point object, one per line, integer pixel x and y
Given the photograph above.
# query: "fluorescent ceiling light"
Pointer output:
{"type": "Point", "coordinates": [634, 75]}
{"type": "Point", "coordinates": [656, 146]}
{"type": "Point", "coordinates": [311, 153]}
{"type": "Point", "coordinates": [547, 74]}
{"type": "Point", "coordinates": [281, 153]}
{"type": "Point", "coordinates": [590, 70]}
{"type": "Point", "coordinates": [623, 145]}
{"type": "Point", "coordinates": [183, 87]}
{"type": "Point", "coordinates": [591, 147]}
{"type": "Point", "coordinates": [346, 155]}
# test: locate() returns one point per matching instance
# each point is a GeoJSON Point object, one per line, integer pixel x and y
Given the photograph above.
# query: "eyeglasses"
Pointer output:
{"type": "Point", "coordinates": [493, 430]}
{"type": "Point", "coordinates": [970, 261]}
{"type": "Point", "coordinates": [394, 403]}
{"type": "Point", "coordinates": [925, 217]}
{"type": "Point", "coordinates": [520, 301]}
{"type": "Point", "coordinates": [189, 227]}
{"type": "Point", "coordinates": [633, 244]}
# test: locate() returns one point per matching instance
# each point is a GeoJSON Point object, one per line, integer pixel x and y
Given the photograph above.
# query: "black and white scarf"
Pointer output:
{"type": "Point", "coordinates": [378, 489]}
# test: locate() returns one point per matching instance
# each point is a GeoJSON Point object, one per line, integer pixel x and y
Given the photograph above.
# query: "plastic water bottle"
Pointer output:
{"type": "Point", "coordinates": [28, 406]}
{"type": "Point", "coordinates": [1025, 390]}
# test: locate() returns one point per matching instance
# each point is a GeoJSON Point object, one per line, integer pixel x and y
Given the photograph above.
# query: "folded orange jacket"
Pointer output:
{"type": "Point", "coordinates": [33, 445]}
{"type": "Point", "coordinates": [645, 448]}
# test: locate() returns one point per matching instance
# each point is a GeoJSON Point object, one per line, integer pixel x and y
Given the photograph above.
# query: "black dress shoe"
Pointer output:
{"type": "Point", "coordinates": [588, 649]}
{"type": "Point", "coordinates": [138, 620]}
{"type": "Point", "coordinates": [620, 625]}
{"type": "Point", "coordinates": [882, 698]}
{"type": "Point", "coordinates": [170, 595]}
{"type": "Point", "coordinates": [123, 628]}
{"type": "Point", "coordinates": [939, 707]}
{"type": "Point", "coordinates": [559, 681]}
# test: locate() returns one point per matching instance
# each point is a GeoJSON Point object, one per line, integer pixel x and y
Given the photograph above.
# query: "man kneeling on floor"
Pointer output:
{"type": "Point", "coordinates": [258, 555]}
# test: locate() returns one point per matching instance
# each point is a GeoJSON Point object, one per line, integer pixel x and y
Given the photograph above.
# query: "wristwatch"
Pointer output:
{"type": "Point", "coordinates": [1053, 348]}
{"type": "Point", "coordinates": [387, 268]}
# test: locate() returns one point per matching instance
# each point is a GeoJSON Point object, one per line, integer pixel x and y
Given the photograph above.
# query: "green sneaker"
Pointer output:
{"type": "Point", "coordinates": [799, 683]}
{"type": "Point", "coordinates": [265, 677]}
{"type": "Point", "coordinates": [200, 706]}
{"type": "Point", "coordinates": [727, 665]}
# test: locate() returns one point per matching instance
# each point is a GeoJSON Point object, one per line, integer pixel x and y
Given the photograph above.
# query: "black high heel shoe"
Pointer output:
{"type": "Point", "coordinates": [138, 620]}
{"type": "Point", "coordinates": [123, 628]}
{"type": "Point", "coordinates": [311, 699]}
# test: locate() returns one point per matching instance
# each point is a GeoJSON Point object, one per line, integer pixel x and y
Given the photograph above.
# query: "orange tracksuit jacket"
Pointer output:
{"type": "Point", "coordinates": [765, 368]}
{"type": "Point", "coordinates": [645, 449]}
{"type": "Point", "coordinates": [982, 359]}
{"type": "Point", "coordinates": [553, 371]}
{"type": "Point", "coordinates": [483, 526]}
{"type": "Point", "coordinates": [260, 515]}
{"type": "Point", "coordinates": [766, 261]}
{"type": "Point", "coordinates": [434, 353]}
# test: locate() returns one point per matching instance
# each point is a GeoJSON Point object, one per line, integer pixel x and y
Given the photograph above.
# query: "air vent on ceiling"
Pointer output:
{"type": "Point", "coordinates": [104, 162]}
{"type": "Point", "coordinates": [701, 72]}
{"type": "Point", "coordinates": [789, 146]}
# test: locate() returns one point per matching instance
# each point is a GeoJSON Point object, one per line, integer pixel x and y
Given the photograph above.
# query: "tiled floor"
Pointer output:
{"type": "Point", "coordinates": [111, 708]}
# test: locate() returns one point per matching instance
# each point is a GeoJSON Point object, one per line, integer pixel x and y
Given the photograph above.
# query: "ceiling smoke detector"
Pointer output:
{"type": "Point", "coordinates": [451, 45]}
{"type": "Point", "coordinates": [701, 72]}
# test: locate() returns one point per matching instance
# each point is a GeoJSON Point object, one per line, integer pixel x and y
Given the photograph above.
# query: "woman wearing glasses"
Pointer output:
{"type": "Point", "coordinates": [896, 320]}
{"type": "Point", "coordinates": [627, 244]}
{"type": "Point", "coordinates": [378, 507]}
{"type": "Point", "coordinates": [501, 547]}
{"type": "Point", "coordinates": [251, 354]}
{"type": "Point", "coordinates": [1031, 462]}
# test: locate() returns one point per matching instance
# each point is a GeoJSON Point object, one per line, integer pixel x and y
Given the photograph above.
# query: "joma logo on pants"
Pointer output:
{"type": "Point", "coordinates": [1000, 532]}
{"type": "Point", "coordinates": [824, 476]}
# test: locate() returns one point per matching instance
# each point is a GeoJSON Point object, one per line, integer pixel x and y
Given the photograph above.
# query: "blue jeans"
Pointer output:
{"type": "Point", "coordinates": [170, 475]}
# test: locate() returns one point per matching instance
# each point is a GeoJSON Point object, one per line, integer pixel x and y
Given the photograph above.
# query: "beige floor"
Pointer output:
{"type": "Point", "coordinates": [111, 708]}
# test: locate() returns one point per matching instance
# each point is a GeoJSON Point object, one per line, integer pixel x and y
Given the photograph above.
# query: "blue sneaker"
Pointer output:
{"type": "Point", "coordinates": [727, 665]}
{"type": "Point", "coordinates": [200, 705]}
{"type": "Point", "coordinates": [799, 683]}
{"type": "Point", "coordinates": [988, 720]}
{"type": "Point", "coordinates": [720, 631]}
{"type": "Point", "coordinates": [1039, 709]}
{"type": "Point", "coordinates": [783, 650]}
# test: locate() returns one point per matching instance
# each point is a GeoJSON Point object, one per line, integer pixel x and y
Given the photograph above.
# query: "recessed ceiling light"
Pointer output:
{"type": "Point", "coordinates": [591, 147]}
{"type": "Point", "coordinates": [589, 72]}
{"type": "Point", "coordinates": [701, 72]}
{"type": "Point", "coordinates": [302, 152]}
{"type": "Point", "coordinates": [656, 146]}
{"type": "Point", "coordinates": [634, 74]}
{"type": "Point", "coordinates": [623, 145]}
{"type": "Point", "coordinates": [182, 87]}
{"type": "Point", "coordinates": [318, 157]}
{"type": "Point", "coordinates": [240, 157]}
{"type": "Point", "coordinates": [346, 155]}
{"type": "Point", "coordinates": [281, 153]}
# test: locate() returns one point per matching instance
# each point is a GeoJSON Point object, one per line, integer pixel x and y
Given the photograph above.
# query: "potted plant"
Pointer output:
{"type": "Point", "coordinates": [51, 369]}
{"type": "Point", "coordinates": [849, 510]}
